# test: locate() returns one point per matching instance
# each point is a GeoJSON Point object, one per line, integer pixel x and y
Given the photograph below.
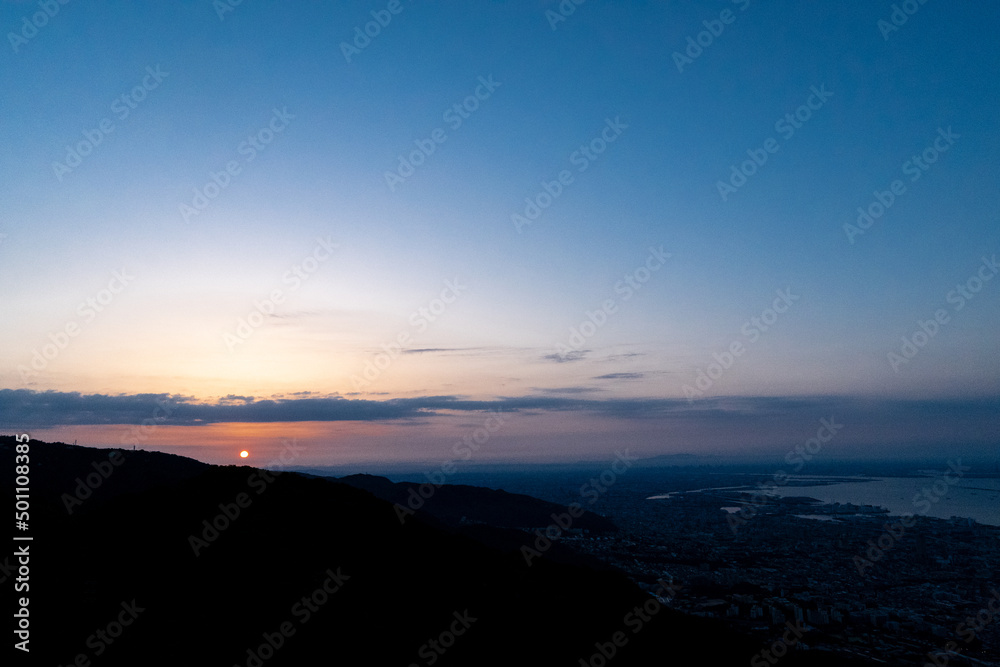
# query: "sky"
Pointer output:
{"type": "Point", "coordinates": [369, 226]}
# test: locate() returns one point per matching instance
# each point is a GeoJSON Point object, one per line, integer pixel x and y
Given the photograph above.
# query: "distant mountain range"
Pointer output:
{"type": "Point", "coordinates": [458, 504]}
{"type": "Point", "coordinates": [144, 558]}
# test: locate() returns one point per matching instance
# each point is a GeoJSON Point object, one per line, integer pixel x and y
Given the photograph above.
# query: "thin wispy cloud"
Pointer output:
{"type": "Point", "coordinates": [567, 390]}
{"type": "Point", "coordinates": [450, 350]}
{"type": "Point", "coordinates": [573, 355]}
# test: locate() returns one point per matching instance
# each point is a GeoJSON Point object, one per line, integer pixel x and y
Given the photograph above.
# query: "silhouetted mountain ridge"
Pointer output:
{"type": "Point", "coordinates": [455, 504]}
{"type": "Point", "coordinates": [217, 559]}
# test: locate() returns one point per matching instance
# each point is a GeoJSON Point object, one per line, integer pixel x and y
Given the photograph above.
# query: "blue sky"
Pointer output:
{"type": "Point", "coordinates": [343, 125]}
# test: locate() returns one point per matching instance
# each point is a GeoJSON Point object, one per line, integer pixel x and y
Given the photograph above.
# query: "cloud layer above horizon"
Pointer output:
{"type": "Point", "coordinates": [722, 425]}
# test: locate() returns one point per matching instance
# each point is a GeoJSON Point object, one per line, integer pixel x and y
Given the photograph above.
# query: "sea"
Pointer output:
{"type": "Point", "coordinates": [920, 491]}
{"type": "Point", "coordinates": [974, 498]}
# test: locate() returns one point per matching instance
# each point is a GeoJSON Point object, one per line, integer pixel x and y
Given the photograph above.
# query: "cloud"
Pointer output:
{"type": "Point", "coordinates": [468, 351]}
{"type": "Point", "coordinates": [233, 398]}
{"type": "Point", "coordinates": [620, 376]}
{"type": "Point", "coordinates": [567, 390]}
{"type": "Point", "coordinates": [874, 420]}
{"type": "Point", "coordinates": [72, 408]}
{"type": "Point", "coordinates": [299, 314]}
{"type": "Point", "coordinates": [623, 355]}
{"type": "Point", "coordinates": [572, 355]}
{"type": "Point", "coordinates": [24, 408]}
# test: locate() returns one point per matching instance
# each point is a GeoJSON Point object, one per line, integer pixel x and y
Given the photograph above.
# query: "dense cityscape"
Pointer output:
{"type": "Point", "coordinates": [851, 578]}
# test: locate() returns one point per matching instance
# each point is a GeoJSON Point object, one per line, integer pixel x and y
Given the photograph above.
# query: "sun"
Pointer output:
{"type": "Point", "coordinates": [244, 454]}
